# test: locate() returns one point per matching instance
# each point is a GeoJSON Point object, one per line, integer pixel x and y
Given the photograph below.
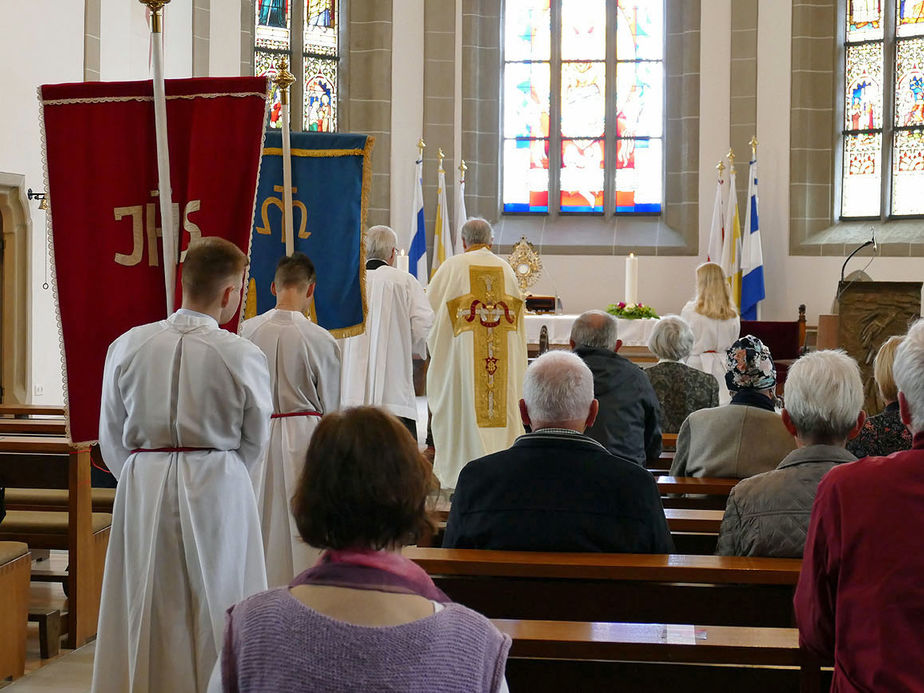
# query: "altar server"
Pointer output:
{"type": "Point", "coordinates": [304, 366]}
{"type": "Point", "coordinates": [378, 366]}
{"type": "Point", "coordinates": [478, 354]}
{"type": "Point", "coordinates": [185, 415]}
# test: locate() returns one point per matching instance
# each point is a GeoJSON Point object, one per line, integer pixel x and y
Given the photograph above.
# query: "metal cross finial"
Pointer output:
{"type": "Point", "coordinates": [421, 145]}
{"type": "Point", "coordinates": [753, 144]}
{"type": "Point", "coordinates": [283, 79]}
{"type": "Point", "coordinates": [731, 160]}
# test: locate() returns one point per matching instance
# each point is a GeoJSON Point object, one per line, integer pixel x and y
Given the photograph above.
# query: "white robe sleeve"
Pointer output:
{"type": "Point", "coordinates": [421, 319]}
{"type": "Point", "coordinates": [258, 406]}
{"type": "Point", "coordinates": [112, 415]}
{"type": "Point", "coordinates": [330, 379]}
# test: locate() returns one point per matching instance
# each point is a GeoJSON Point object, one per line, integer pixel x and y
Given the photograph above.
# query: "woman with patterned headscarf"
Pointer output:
{"type": "Point", "coordinates": [747, 436]}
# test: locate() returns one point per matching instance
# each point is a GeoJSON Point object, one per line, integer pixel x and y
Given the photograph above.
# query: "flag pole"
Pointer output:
{"type": "Point", "coordinates": [284, 79]}
{"type": "Point", "coordinates": [163, 152]}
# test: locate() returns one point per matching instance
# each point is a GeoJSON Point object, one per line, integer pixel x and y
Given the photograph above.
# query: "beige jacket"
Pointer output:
{"type": "Point", "coordinates": [731, 441]}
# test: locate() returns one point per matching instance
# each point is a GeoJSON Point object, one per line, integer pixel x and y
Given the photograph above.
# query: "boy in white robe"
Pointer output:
{"type": "Point", "coordinates": [304, 365]}
{"type": "Point", "coordinates": [185, 414]}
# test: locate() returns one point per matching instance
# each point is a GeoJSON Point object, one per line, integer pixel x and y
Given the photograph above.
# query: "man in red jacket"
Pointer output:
{"type": "Point", "coordinates": [860, 598]}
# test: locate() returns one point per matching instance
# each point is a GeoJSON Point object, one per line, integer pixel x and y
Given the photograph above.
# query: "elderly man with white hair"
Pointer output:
{"type": "Point", "coordinates": [768, 514]}
{"type": "Point", "coordinates": [378, 366]}
{"type": "Point", "coordinates": [860, 600]}
{"type": "Point", "coordinates": [628, 422]}
{"type": "Point", "coordinates": [477, 354]}
{"type": "Point", "coordinates": [556, 489]}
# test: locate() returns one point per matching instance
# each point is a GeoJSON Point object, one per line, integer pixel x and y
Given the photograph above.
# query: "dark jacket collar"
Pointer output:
{"type": "Point", "coordinates": [752, 398]}
{"type": "Point", "coordinates": [557, 434]}
{"type": "Point", "coordinates": [375, 263]}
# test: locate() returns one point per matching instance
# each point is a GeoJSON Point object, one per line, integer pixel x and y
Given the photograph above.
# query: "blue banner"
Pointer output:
{"type": "Point", "coordinates": [331, 175]}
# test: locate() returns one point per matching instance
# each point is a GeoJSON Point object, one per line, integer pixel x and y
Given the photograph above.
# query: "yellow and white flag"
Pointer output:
{"type": "Point", "coordinates": [442, 229]}
{"type": "Point", "coordinates": [731, 245]}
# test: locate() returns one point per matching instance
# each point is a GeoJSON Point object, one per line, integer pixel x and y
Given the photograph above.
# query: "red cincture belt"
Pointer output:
{"type": "Point", "coordinates": [296, 413]}
{"type": "Point", "coordinates": [172, 450]}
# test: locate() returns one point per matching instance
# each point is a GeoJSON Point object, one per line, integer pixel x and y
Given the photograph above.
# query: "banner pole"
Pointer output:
{"type": "Point", "coordinates": [284, 79]}
{"type": "Point", "coordinates": [163, 153]}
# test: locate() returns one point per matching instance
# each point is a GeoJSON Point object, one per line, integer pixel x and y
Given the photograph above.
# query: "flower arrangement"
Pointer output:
{"type": "Point", "coordinates": [631, 311]}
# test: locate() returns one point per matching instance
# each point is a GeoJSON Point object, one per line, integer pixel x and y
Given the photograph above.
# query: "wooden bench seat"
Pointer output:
{"type": "Point", "coordinates": [46, 427]}
{"type": "Point", "coordinates": [716, 590]}
{"type": "Point", "coordinates": [31, 410]}
{"type": "Point", "coordinates": [102, 499]}
{"type": "Point", "coordinates": [46, 529]}
{"type": "Point", "coordinates": [15, 565]}
{"type": "Point", "coordinates": [696, 485]}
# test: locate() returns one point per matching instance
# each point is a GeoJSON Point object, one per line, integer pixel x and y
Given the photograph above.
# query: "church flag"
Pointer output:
{"type": "Point", "coordinates": [461, 216]}
{"type": "Point", "coordinates": [731, 246]}
{"type": "Point", "coordinates": [104, 216]}
{"type": "Point", "coordinates": [752, 257]}
{"type": "Point", "coordinates": [717, 228]}
{"type": "Point", "coordinates": [417, 255]}
{"type": "Point", "coordinates": [442, 230]}
{"type": "Point", "coordinates": [331, 179]}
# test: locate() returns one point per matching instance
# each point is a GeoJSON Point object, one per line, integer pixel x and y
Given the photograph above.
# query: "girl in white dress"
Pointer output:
{"type": "Point", "coordinates": [715, 324]}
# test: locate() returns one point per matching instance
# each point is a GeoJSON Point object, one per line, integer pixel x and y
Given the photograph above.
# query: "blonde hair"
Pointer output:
{"type": "Point", "coordinates": [882, 368]}
{"type": "Point", "coordinates": [713, 296]}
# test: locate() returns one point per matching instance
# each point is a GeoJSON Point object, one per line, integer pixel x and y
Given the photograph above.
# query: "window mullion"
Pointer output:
{"type": "Point", "coordinates": [297, 59]}
{"type": "Point", "coordinates": [888, 107]}
{"type": "Point", "coordinates": [555, 112]}
{"type": "Point", "coordinates": [609, 132]}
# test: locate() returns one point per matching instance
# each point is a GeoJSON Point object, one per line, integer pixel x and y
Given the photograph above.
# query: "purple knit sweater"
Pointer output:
{"type": "Point", "coordinates": [273, 642]}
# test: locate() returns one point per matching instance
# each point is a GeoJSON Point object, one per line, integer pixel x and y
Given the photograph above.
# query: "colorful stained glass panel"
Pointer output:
{"type": "Point", "coordinates": [581, 181]}
{"type": "Point", "coordinates": [527, 30]}
{"type": "Point", "coordinates": [321, 27]}
{"type": "Point", "coordinates": [639, 99]}
{"type": "Point", "coordinates": [265, 64]}
{"type": "Point", "coordinates": [583, 30]}
{"type": "Point", "coordinates": [864, 20]}
{"type": "Point", "coordinates": [862, 175]}
{"type": "Point", "coordinates": [526, 176]}
{"type": "Point", "coordinates": [272, 24]}
{"type": "Point", "coordinates": [638, 176]}
{"type": "Point", "coordinates": [526, 100]}
{"type": "Point", "coordinates": [908, 172]}
{"type": "Point", "coordinates": [639, 30]}
{"type": "Point", "coordinates": [909, 82]}
{"type": "Point", "coordinates": [863, 93]}
{"type": "Point", "coordinates": [583, 104]}
{"type": "Point", "coordinates": [320, 95]}
{"type": "Point", "coordinates": [909, 17]}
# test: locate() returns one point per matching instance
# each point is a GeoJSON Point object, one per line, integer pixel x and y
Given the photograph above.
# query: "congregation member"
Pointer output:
{"type": "Point", "coordinates": [557, 489]}
{"type": "Point", "coordinates": [859, 601]}
{"type": "Point", "coordinates": [378, 366]}
{"type": "Point", "coordinates": [185, 415]}
{"type": "Point", "coordinates": [884, 433]}
{"type": "Point", "coordinates": [627, 423]}
{"type": "Point", "coordinates": [477, 354]}
{"type": "Point", "coordinates": [745, 437]}
{"type": "Point", "coordinates": [715, 323]}
{"type": "Point", "coordinates": [680, 389]}
{"type": "Point", "coordinates": [364, 618]}
{"type": "Point", "coordinates": [304, 366]}
{"type": "Point", "coordinates": [768, 514]}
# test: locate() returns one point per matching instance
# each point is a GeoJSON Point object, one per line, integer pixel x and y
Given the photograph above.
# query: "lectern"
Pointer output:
{"type": "Point", "coordinates": [870, 313]}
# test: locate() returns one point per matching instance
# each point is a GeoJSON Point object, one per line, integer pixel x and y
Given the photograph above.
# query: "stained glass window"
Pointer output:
{"type": "Point", "coordinates": [910, 16]}
{"type": "Point", "coordinates": [582, 106]}
{"type": "Point", "coordinates": [317, 62]}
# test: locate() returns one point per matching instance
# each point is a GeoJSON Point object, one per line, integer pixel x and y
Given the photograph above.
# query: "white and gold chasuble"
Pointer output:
{"type": "Point", "coordinates": [477, 360]}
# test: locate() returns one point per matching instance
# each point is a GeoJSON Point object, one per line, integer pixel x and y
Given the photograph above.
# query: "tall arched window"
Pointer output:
{"type": "Point", "coordinates": [313, 54]}
{"type": "Point", "coordinates": [583, 106]}
{"type": "Point", "coordinates": [883, 110]}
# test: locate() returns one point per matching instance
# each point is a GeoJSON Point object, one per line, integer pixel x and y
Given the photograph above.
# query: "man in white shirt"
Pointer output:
{"type": "Point", "coordinates": [184, 418]}
{"type": "Point", "coordinates": [378, 366]}
{"type": "Point", "coordinates": [304, 366]}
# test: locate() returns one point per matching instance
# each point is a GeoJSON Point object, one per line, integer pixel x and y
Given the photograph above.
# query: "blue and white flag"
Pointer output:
{"type": "Point", "coordinates": [417, 254]}
{"type": "Point", "coordinates": [752, 257]}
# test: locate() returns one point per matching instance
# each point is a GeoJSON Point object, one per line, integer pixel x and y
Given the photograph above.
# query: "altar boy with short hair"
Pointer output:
{"type": "Point", "coordinates": [304, 366]}
{"type": "Point", "coordinates": [185, 415]}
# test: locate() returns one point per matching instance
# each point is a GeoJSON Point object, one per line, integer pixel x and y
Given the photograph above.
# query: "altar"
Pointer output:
{"type": "Point", "coordinates": [633, 333]}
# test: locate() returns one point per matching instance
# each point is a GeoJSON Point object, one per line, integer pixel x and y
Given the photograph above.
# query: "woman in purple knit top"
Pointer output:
{"type": "Point", "coordinates": [364, 617]}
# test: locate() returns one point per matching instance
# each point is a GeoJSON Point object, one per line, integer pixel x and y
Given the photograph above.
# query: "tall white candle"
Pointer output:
{"type": "Point", "coordinates": [631, 279]}
{"type": "Point", "coordinates": [402, 261]}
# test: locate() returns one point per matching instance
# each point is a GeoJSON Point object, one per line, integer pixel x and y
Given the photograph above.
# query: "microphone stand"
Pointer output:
{"type": "Point", "coordinates": [859, 248]}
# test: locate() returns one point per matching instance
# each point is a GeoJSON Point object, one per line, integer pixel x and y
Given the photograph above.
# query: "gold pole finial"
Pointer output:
{"type": "Point", "coordinates": [439, 153]}
{"type": "Point", "coordinates": [155, 6]}
{"type": "Point", "coordinates": [720, 167]}
{"type": "Point", "coordinates": [753, 144]}
{"type": "Point", "coordinates": [283, 79]}
{"type": "Point", "coordinates": [731, 160]}
{"type": "Point", "coordinates": [462, 169]}
{"type": "Point", "coordinates": [421, 145]}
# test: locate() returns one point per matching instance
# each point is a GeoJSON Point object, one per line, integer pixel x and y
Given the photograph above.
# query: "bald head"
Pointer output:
{"type": "Point", "coordinates": [594, 329]}
{"type": "Point", "coordinates": [558, 392]}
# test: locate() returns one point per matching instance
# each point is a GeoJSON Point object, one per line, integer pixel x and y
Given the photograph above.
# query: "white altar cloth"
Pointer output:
{"type": "Point", "coordinates": [631, 332]}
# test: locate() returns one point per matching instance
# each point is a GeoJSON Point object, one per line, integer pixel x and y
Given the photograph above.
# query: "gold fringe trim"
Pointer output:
{"type": "Point", "coordinates": [277, 151]}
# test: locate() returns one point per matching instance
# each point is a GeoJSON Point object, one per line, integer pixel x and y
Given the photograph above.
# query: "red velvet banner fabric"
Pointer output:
{"type": "Point", "coordinates": [102, 185]}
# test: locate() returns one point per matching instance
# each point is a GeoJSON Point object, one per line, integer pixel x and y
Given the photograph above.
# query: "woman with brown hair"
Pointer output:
{"type": "Point", "coordinates": [364, 617]}
{"type": "Point", "coordinates": [715, 324]}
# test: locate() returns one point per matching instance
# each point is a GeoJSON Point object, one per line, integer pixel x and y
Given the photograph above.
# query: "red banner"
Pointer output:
{"type": "Point", "coordinates": [102, 187]}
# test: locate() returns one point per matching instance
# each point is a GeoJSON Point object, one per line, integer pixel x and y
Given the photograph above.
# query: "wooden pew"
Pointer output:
{"type": "Point", "coordinates": [51, 463]}
{"type": "Point", "coordinates": [15, 563]}
{"type": "Point", "coordinates": [717, 590]}
{"type": "Point", "coordinates": [678, 519]}
{"type": "Point", "coordinates": [32, 426]}
{"type": "Point", "coordinates": [701, 493]}
{"type": "Point", "coordinates": [669, 441]}
{"type": "Point", "coordinates": [567, 655]}
{"type": "Point", "coordinates": [24, 410]}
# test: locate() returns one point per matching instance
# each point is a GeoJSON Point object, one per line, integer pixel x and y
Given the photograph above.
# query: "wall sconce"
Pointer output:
{"type": "Point", "coordinates": [43, 205]}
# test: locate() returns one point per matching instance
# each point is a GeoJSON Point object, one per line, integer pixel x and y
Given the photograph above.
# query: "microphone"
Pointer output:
{"type": "Point", "coordinates": [875, 244]}
{"type": "Point", "coordinates": [871, 242]}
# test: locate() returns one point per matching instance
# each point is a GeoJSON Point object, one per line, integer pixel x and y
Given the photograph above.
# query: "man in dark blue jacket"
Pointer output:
{"type": "Point", "coordinates": [628, 424]}
{"type": "Point", "coordinates": [556, 489]}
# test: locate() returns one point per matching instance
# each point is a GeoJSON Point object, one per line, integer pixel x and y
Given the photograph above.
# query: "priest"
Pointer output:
{"type": "Point", "coordinates": [478, 354]}
{"type": "Point", "coordinates": [378, 366]}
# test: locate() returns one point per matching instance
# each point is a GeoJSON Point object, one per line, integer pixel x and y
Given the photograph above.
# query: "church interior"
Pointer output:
{"type": "Point", "coordinates": [600, 140]}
